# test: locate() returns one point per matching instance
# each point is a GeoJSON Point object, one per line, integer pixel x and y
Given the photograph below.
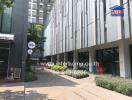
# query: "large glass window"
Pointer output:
{"type": "Point", "coordinates": [4, 59]}
{"type": "Point", "coordinates": [5, 21]}
{"type": "Point", "coordinates": [110, 60]}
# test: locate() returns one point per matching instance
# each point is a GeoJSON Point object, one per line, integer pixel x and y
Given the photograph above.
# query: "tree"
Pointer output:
{"type": "Point", "coordinates": [4, 4]}
{"type": "Point", "coordinates": [33, 34]}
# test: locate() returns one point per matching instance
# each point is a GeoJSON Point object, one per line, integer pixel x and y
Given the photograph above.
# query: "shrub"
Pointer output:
{"type": "Point", "coordinates": [30, 76]}
{"type": "Point", "coordinates": [58, 68]}
{"type": "Point", "coordinates": [76, 73]}
{"type": "Point", "coordinates": [117, 84]}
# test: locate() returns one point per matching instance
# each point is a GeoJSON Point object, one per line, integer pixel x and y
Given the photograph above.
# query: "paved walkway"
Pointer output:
{"type": "Point", "coordinates": [13, 91]}
{"type": "Point", "coordinates": [51, 86]}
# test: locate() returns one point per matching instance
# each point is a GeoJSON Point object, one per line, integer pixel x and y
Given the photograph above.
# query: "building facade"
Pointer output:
{"type": "Point", "coordinates": [13, 28]}
{"type": "Point", "coordinates": [36, 11]}
{"type": "Point", "coordinates": [86, 29]}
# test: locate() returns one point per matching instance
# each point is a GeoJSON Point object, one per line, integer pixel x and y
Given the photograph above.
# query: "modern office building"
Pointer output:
{"type": "Point", "coordinates": [13, 28]}
{"type": "Point", "coordinates": [88, 30]}
{"type": "Point", "coordinates": [36, 11]}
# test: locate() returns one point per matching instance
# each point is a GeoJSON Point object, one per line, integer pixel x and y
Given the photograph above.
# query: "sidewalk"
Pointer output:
{"type": "Point", "coordinates": [62, 87]}
{"type": "Point", "coordinates": [51, 86]}
{"type": "Point", "coordinates": [13, 91]}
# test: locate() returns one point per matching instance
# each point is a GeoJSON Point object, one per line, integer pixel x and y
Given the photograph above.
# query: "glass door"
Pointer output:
{"type": "Point", "coordinates": [110, 60]}
{"type": "Point", "coordinates": [3, 62]}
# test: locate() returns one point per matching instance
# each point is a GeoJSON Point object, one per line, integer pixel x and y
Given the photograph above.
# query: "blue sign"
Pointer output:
{"type": "Point", "coordinates": [117, 11]}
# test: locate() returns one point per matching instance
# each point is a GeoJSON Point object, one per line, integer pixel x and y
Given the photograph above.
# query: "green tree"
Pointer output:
{"type": "Point", "coordinates": [5, 3]}
{"type": "Point", "coordinates": [33, 34]}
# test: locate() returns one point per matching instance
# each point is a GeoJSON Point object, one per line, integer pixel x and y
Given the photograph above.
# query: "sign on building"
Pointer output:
{"type": "Point", "coordinates": [117, 11]}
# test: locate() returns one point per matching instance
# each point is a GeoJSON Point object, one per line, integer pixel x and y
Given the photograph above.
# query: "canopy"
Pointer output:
{"type": "Point", "coordinates": [7, 37]}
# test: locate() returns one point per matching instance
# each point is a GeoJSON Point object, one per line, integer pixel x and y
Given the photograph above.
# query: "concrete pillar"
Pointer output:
{"type": "Point", "coordinates": [52, 58]}
{"type": "Point", "coordinates": [92, 59]}
{"type": "Point", "coordinates": [65, 57]}
{"type": "Point", "coordinates": [58, 58]}
{"type": "Point", "coordinates": [124, 59]}
{"type": "Point", "coordinates": [75, 59]}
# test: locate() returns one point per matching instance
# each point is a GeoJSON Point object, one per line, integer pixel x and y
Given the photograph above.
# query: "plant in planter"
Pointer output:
{"type": "Point", "coordinates": [30, 75]}
{"type": "Point", "coordinates": [117, 84]}
{"type": "Point", "coordinates": [77, 73]}
{"type": "Point", "coordinates": [58, 68]}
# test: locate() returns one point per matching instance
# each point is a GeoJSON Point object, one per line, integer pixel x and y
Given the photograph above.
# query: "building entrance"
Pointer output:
{"type": "Point", "coordinates": [4, 60]}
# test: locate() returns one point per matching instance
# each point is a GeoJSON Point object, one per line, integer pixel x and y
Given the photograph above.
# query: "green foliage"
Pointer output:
{"type": "Point", "coordinates": [58, 68]}
{"type": "Point", "coordinates": [38, 28]}
{"type": "Point", "coordinates": [120, 85]}
{"type": "Point", "coordinates": [4, 4]}
{"type": "Point", "coordinates": [30, 76]}
{"type": "Point", "coordinates": [77, 73]}
{"type": "Point", "coordinates": [33, 34]}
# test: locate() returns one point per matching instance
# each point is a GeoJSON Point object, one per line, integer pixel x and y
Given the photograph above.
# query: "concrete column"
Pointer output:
{"type": "Point", "coordinates": [65, 57]}
{"type": "Point", "coordinates": [75, 59]}
{"type": "Point", "coordinates": [58, 58]}
{"type": "Point", "coordinates": [52, 58]}
{"type": "Point", "coordinates": [124, 58]}
{"type": "Point", "coordinates": [92, 59]}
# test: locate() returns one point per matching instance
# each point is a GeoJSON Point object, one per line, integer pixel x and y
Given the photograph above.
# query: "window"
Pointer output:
{"type": "Point", "coordinates": [35, 1]}
{"type": "Point", "coordinates": [41, 14]}
{"type": "Point", "coordinates": [29, 6]}
{"type": "Point", "coordinates": [41, 7]}
{"type": "Point", "coordinates": [29, 19]}
{"type": "Point", "coordinates": [109, 58]}
{"type": "Point", "coordinates": [41, 0]}
{"type": "Point", "coordinates": [41, 21]}
{"type": "Point", "coordinates": [5, 21]}
{"type": "Point", "coordinates": [34, 6]}
{"type": "Point", "coordinates": [34, 20]}
{"type": "Point", "coordinates": [29, 13]}
{"type": "Point", "coordinates": [34, 13]}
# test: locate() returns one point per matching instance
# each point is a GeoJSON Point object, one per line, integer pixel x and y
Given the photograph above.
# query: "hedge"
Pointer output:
{"type": "Point", "coordinates": [58, 68]}
{"type": "Point", "coordinates": [77, 73]}
{"type": "Point", "coordinates": [123, 86]}
{"type": "Point", "coordinates": [30, 76]}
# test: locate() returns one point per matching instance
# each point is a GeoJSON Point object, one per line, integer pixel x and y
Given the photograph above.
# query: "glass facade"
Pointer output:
{"type": "Point", "coordinates": [83, 57]}
{"type": "Point", "coordinates": [5, 21]}
{"type": "Point", "coordinates": [110, 59]}
{"type": "Point", "coordinates": [5, 28]}
{"type": "Point", "coordinates": [3, 59]}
